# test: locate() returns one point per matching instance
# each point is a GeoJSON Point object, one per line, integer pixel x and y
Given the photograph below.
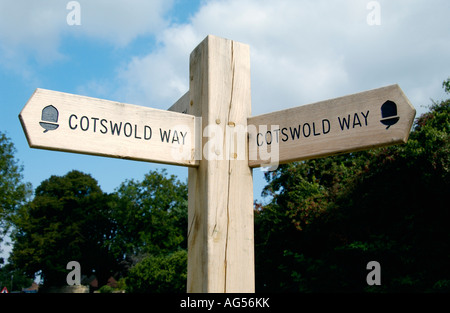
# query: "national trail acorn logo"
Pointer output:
{"type": "Point", "coordinates": [389, 114]}
{"type": "Point", "coordinates": [49, 118]}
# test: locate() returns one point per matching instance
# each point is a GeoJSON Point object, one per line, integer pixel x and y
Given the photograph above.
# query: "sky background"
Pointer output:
{"type": "Point", "coordinates": [137, 51]}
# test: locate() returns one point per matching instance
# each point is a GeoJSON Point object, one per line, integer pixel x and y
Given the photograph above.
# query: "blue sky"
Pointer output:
{"type": "Point", "coordinates": [137, 51]}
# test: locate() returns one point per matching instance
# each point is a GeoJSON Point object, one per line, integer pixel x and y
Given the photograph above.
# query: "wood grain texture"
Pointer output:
{"type": "Point", "coordinates": [345, 124]}
{"type": "Point", "coordinates": [220, 222]}
{"type": "Point", "coordinates": [182, 104]}
{"type": "Point", "coordinates": [107, 128]}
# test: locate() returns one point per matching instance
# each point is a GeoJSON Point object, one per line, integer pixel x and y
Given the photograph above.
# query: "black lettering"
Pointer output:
{"type": "Point", "coordinates": [267, 140]}
{"type": "Point", "coordinates": [105, 128]}
{"type": "Point", "coordinates": [95, 122]}
{"type": "Point", "coordinates": [135, 132]}
{"type": "Point", "coordinates": [183, 135]}
{"type": "Point", "coordinates": [81, 123]}
{"type": "Point", "coordinates": [356, 117]}
{"type": "Point", "coordinates": [173, 138]}
{"type": "Point", "coordinates": [70, 121]}
{"type": "Point", "coordinates": [323, 126]}
{"type": "Point", "coordinates": [125, 129]}
{"type": "Point", "coordinates": [296, 132]}
{"type": "Point", "coordinates": [115, 128]}
{"type": "Point", "coordinates": [365, 116]}
{"type": "Point", "coordinates": [147, 132]}
{"type": "Point", "coordinates": [344, 123]}
{"type": "Point", "coordinates": [257, 141]}
{"type": "Point", "coordinates": [309, 130]}
{"type": "Point", "coordinates": [314, 130]}
{"type": "Point", "coordinates": [277, 134]}
{"type": "Point", "coordinates": [284, 134]}
{"type": "Point", "coordinates": [166, 135]}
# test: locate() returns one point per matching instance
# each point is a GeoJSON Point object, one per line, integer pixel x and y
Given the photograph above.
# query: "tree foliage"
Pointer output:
{"type": "Point", "coordinates": [13, 279]}
{"type": "Point", "coordinates": [159, 274]}
{"type": "Point", "coordinates": [72, 219]}
{"type": "Point", "coordinates": [446, 85]}
{"type": "Point", "coordinates": [152, 215]}
{"type": "Point", "coordinates": [13, 192]}
{"type": "Point", "coordinates": [326, 219]}
{"type": "Point", "coordinates": [329, 217]}
{"type": "Point", "coordinates": [152, 219]}
{"type": "Point", "coordinates": [69, 219]}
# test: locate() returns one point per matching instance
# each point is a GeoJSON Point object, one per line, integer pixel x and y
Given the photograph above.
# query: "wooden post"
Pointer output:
{"type": "Point", "coordinates": [220, 229]}
{"type": "Point", "coordinates": [220, 200]}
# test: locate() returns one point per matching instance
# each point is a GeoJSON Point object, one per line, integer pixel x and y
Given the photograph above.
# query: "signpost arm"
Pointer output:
{"type": "Point", "coordinates": [220, 222]}
{"type": "Point", "coordinates": [218, 116]}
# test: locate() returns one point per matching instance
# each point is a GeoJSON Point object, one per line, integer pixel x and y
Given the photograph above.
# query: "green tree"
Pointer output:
{"type": "Point", "coordinates": [159, 274]}
{"type": "Point", "coordinates": [68, 220]}
{"type": "Point", "coordinates": [292, 228]}
{"type": "Point", "coordinates": [13, 192]}
{"type": "Point", "coordinates": [152, 215]}
{"type": "Point", "coordinates": [446, 85]}
{"type": "Point", "coordinates": [13, 279]}
{"type": "Point", "coordinates": [329, 217]}
{"type": "Point", "coordinates": [151, 235]}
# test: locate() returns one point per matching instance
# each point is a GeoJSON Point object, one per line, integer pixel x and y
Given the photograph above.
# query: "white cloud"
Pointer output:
{"type": "Point", "coordinates": [301, 51]}
{"type": "Point", "coordinates": [28, 28]}
{"type": "Point", "coordinates": [31, 31]}
{"type": "Point", "coordinates": [305, 51]}
{"type": "Point", "coordinates": [152, 80]}
{"type": "Point", "coordinates": [121, 21]}
{"type": "Point", "coordinates": [161, 77]}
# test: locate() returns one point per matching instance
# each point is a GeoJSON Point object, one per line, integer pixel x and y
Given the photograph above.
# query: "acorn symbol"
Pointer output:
{"type": "Point", "coordinates": [389, 114]}
{"type": "Point", "coordinates": [49, 118]}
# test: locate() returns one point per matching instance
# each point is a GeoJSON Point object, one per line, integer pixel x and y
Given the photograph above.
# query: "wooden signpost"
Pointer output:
{"type": "Point", "coordinates": [220, 142]}
{"type": "Point", "coordinates": [65, 122]}
{"type": "Point", "coordinates": [355, 122]}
